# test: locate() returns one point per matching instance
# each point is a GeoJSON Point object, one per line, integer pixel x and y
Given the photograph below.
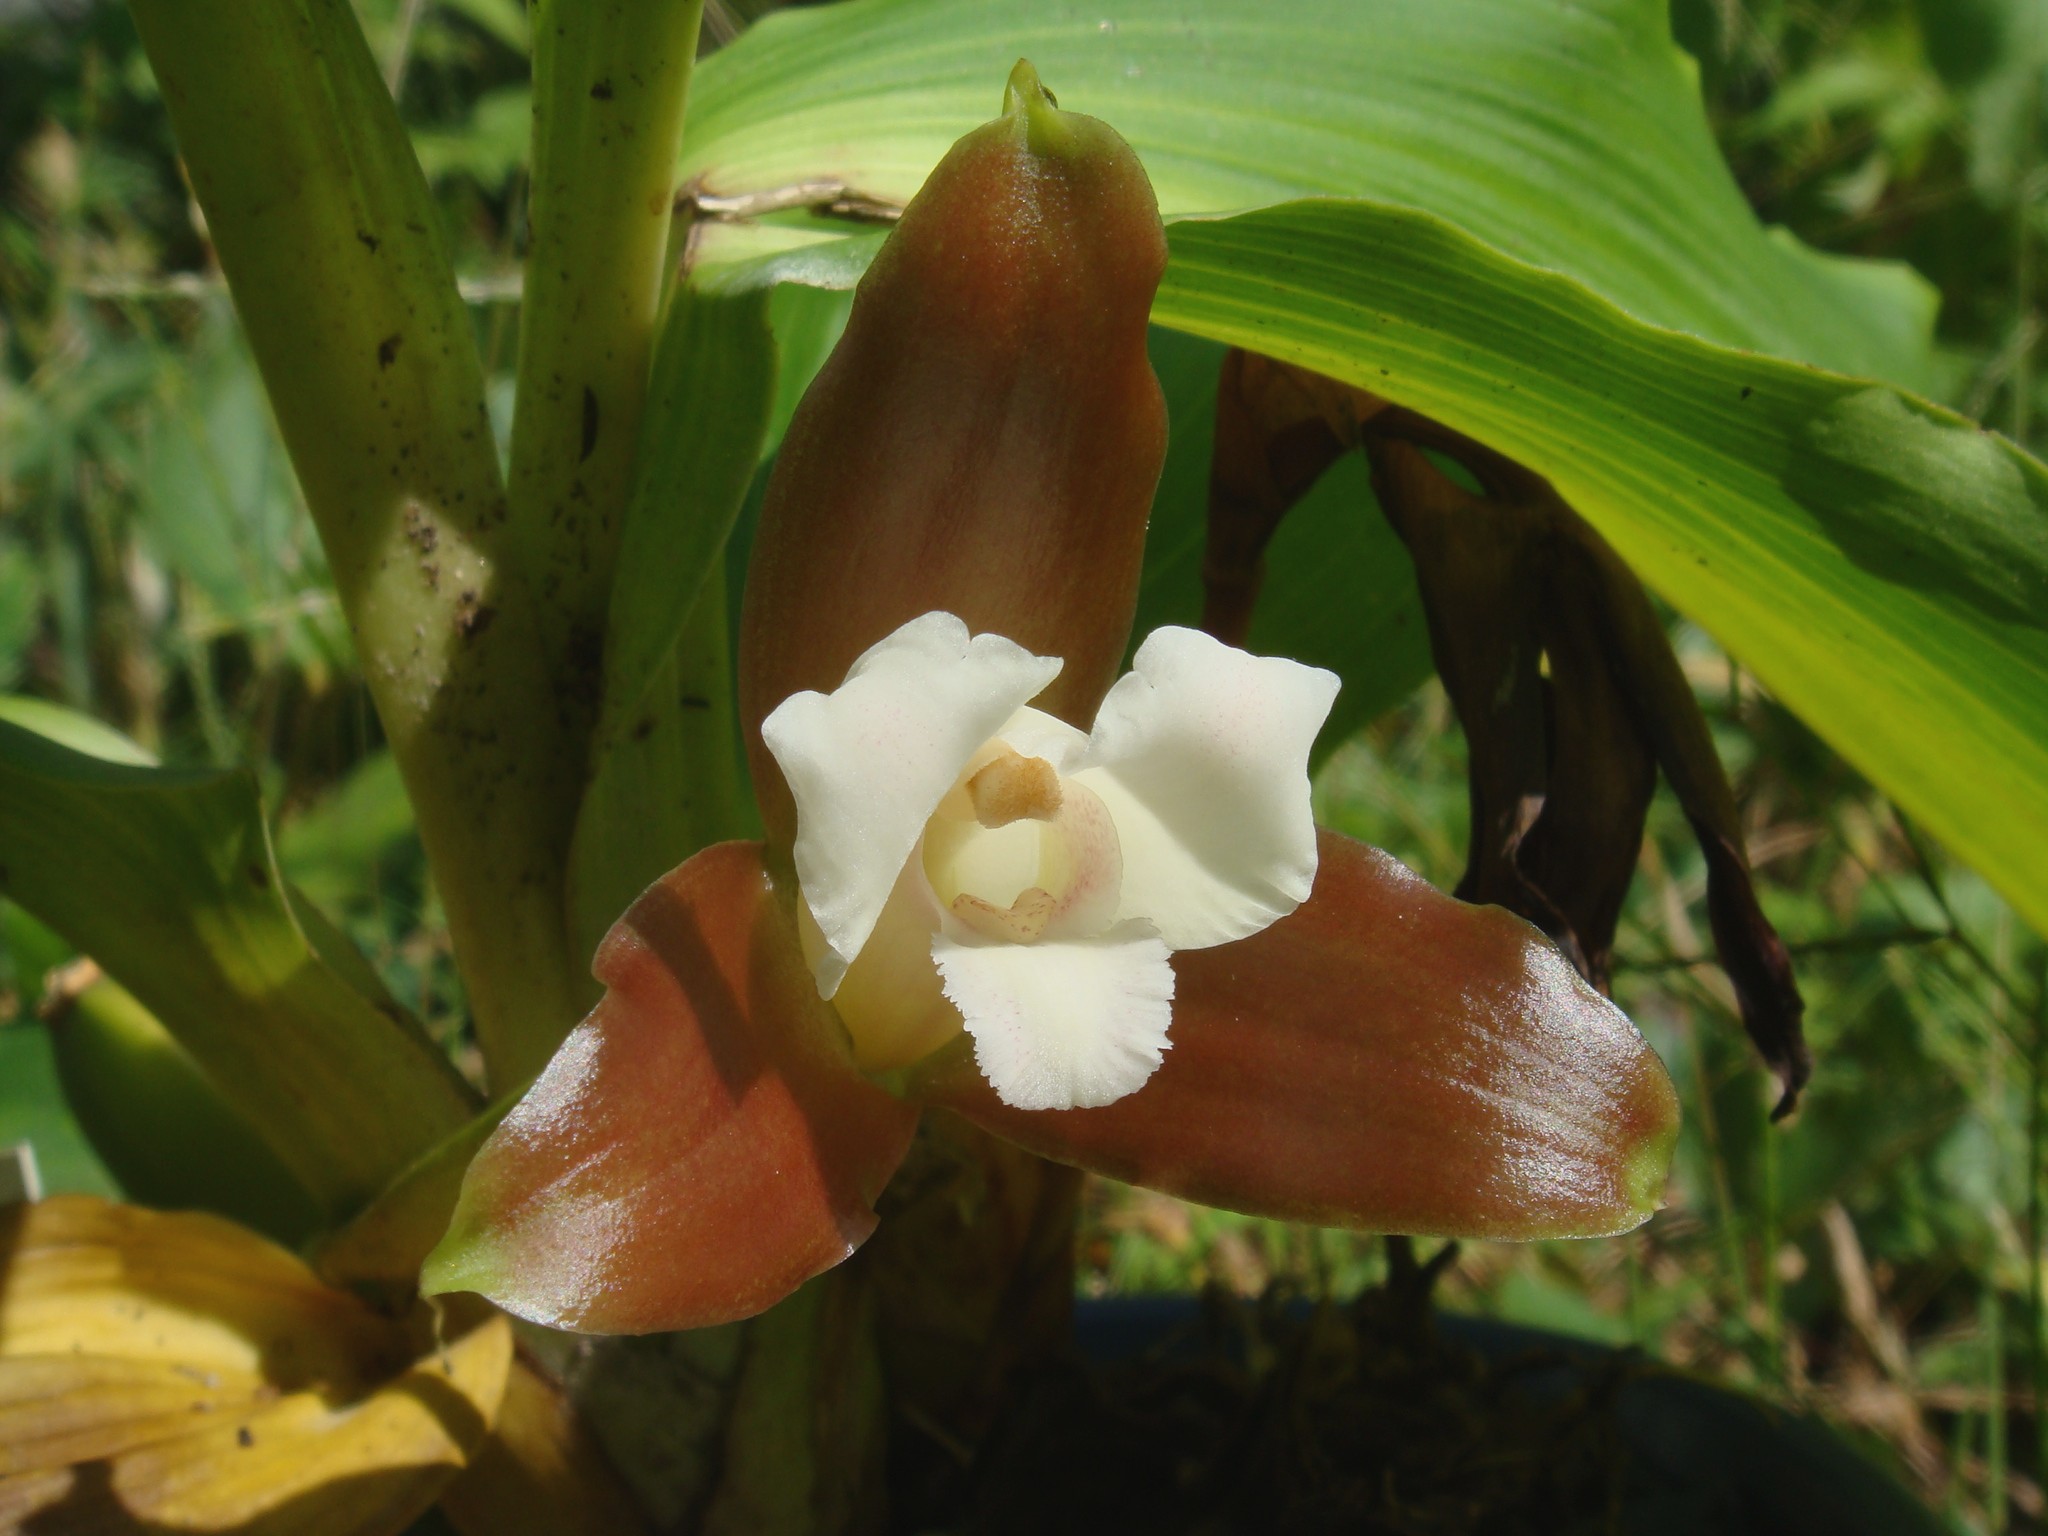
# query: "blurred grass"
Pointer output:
{"type": "Point", "coordinates": [1878, 1257]}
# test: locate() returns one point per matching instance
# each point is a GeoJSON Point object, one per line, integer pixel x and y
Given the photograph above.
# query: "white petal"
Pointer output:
{"type": "Point", "coordinates": [1201, 754]}
{"type": "Point", "coordinates": [1066, 1024]}
{"type": "Point", "coordinates": [869, 761]}
{"type": "Point", "coordinates": [1036, 734]}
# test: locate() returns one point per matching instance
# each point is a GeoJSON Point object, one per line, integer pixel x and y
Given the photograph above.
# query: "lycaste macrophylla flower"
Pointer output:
{"type": "Point", "coordinates": [994, 884]}
{"type": "Point", "coordinates": [964, 858]}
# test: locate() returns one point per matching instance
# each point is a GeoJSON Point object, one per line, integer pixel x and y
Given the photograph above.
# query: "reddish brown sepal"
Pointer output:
{"type": "Point", "coordinates": [1388, 1059]}
{"type": "Point", "coordinates": [700, 1145]}
{"type": "Point", "coordinates": [985, 438]}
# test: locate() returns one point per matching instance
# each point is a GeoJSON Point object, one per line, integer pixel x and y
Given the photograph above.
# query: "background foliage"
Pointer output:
{"type": "Point", "coordinates": [1880, 1256]}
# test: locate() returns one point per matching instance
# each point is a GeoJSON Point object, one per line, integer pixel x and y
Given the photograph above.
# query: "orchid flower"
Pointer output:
{"type": "Point", "coordinates": [965, 859]}
{"type": "Point", "coordinates": [1127, 949]}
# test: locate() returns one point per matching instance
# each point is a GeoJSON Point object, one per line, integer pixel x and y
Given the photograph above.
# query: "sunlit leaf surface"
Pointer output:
{"type": "Point", "coordinates": [1567, 135]}
{"type": "Point", "coordinates": [175, 1372]}
{"type": "Point", "coordinates": [1880, 563]}
{"type": "Point", "coordinates": [166, 877]}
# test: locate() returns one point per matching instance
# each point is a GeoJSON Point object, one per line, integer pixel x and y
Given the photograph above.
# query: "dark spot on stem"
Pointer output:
{"type": "Point", "coordinates": [420, 530]}
{"type": "Point", "coordinates": [589, 422]}
{"type": "Point", "coordinates": [471, 617]}
{"type": "Point", "coordinates": [244, 1436]}
{"type": "Point", "coordinates": [370, 241]}
{"type": "Point", "coordinates": [259, 877]}
{"type": "Point", "coordinates": [691, 701]}
{"type": "Point", "coordinates": [387, 349]}
{"type": "Point", "coordinates": [602, 91]}
{"type": "Point", "coordinates": [1747, 391]}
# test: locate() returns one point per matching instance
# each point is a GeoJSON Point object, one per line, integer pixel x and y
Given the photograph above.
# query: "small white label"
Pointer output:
{"type": "Point", "coordinates": [19, 1180]}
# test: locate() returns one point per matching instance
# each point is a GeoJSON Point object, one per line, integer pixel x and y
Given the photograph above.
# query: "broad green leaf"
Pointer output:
{"type": "Point", "coordinates": [166, 877]}
{"type": "Point", "coordinates": [158, 1124]}
{"type": "Point", "coordinates": [1880, 563]}
{"type": "Point", "coordinates": [1568, 136]}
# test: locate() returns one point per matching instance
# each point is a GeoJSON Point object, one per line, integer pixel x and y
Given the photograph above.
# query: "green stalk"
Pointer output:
{"type": "Point", "coordinates": [2037, 1294]}
{"type": "Point", "coordinates": [1725, 1222]}
{"type": "Point", "coordinates": [1996, 1511]}
{"type": "Point", "coordinates": [610, 81]}
{"type": "Point", "coordinates": [1774, 1300]}
{"type": "Point", "coordinates": [667, 787]}
{"type": "Point", "coordinates": [1992, 1307]}
{"type": "Point", "coordinates": [329, 240]}
{"type": "Point", "coordinates": [2023, 265]}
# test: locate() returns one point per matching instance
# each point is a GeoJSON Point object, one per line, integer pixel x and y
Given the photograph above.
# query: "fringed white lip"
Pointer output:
{"type": "Point", "coordinates": [967, 861]}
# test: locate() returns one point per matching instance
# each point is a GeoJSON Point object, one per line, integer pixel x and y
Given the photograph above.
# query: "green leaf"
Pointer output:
{"type": "Point", "coordinates": [219, 507]}
{"type": "Point", "coordinates": [336, 850]}
{"type": "Point", "coordinates": [490, 146]}
{"type": "Point", "coordinates": [709, 401]}
{"type": "Point", "coordinates": [671, 784]}
{"type": "Point", "coordinates": [167, 879]}
{"type": "Point", "coordinates": [68, 728]}
{"type": "Point", "coordinates": [808, 322]}
{"type": "Point", "coordinates": [159, 1125]}
{"type": "Point", "coordinates": [1881, 564]}
{"type": "Point", "coordinates": [1569, 137]}
{"type": "Point", "coordinates": [665, 774]}
{"type": "Point", "coordinates": [21, 603]}
{"type": "Point", "coordinates": [32, 1109]}
{"type": "Point", "coordinates": [503, 19]}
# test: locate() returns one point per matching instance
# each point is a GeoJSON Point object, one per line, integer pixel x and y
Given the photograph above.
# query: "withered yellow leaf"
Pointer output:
{"type": "Point", "coordinates": [163, 1371]}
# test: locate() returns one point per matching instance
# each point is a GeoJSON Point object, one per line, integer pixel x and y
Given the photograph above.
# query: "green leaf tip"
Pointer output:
{"type": "Point", "coordinates": [1046, 128]}
{"type": "Point", "coordinates": [462, 1261]}
{"type": "Point", "coordinates": [1646, 1170]}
